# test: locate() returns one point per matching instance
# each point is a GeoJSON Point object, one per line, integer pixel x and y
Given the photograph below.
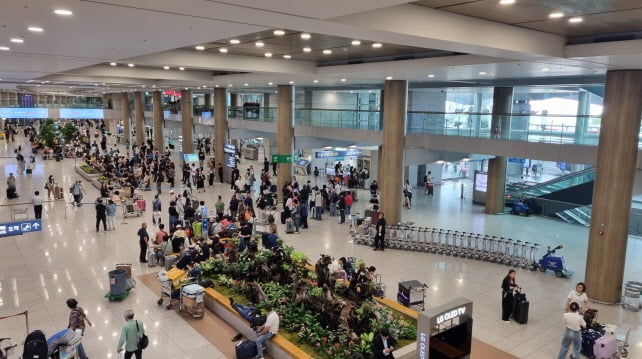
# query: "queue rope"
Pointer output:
{"type": "Point", "coordinates": [25, 313]}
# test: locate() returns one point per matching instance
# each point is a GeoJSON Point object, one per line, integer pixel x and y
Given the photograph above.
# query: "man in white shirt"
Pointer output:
{"type": "Point", "coordinates": [37, 205]}
{"type": "Point", "coordinates": [574, 323]}
{"type": "Point", "coordinates": [268, 330]}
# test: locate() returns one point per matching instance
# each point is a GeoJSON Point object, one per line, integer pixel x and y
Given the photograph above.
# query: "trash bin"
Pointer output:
{"type": "Point", "coordinates": [117, 282]}
{"type": "Point", "coordinates": [631, 298]}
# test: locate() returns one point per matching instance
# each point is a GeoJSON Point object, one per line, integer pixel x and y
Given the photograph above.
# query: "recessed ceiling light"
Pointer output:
{"type": "Point", "coordinates": [215, 85]}
{"type": "Point", "coordinates": [166, 67]}
{"type": "Point", "coordinates": [482, 73]}
{"type": "Point", "coordinates": [4, 48]}
{"type": "Point", "coordinates": [246, 84]}
{"type": "Point", "coordinates": [230, 85]}
{"type": "Point", "coordinates": [200, 47]}
{"type": "Point", "coordinates": [573, 20]}
{"type": "Point", "coordinates": [222, 50]}
{"type": "Point", "coordinates": [181, 68]}
{"type": "Point", "coordinates": [259, 44]}
{"type": "Point", "coordinates": [287, 57]}
{"type": "Point", "coordinates": [113, 64]}
{"type": "Point", "coordinates": [305, 36]}
{"type": "Point", "coordinates": [307, 49]}
{"type": "Point", "coordinates": [270, 83]}
{"type": "Point", "coordinates": [35, 29]}
{"type": "Point", "coordinates": [344, 80]}
{"type": "Point", "coordinates": [316, 81]}
{"type": "Point", "coordinates": [17, 40]}
{"type": "Point", "coordinates": [377, 45]}
{"type": "Point", "coordinates": [356, 42]}
{"type": "Point", "coordinates": [278, 32]}
{"type": "Point", "coordinates": [388, 77]}
{"type": "Point", "coordinates": [431, 75]}
{"type": "Point", "coordinates": [546, 69]}
{"type": "Point", "coordinates": [556, 15]}
{"type": "Point", "coordinates": [268, 54]}
{"type": "Point", "coordinates": [63, 12]}
{"type": "Point", "coordinates": [235, 41]}
{"type": "Point", "coordinates": [187, 88]}
{"type": "Point", "coordinates": [506, 2]}
{"type": "Point", "coordinates": [327, 52]}
{"type": "Point", "coordinates": [131, 65]}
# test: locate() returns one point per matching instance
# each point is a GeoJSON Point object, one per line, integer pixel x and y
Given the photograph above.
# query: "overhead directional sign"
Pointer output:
{"type": "Point", "coordinates": [285, 158]}
{"type": "Point", "coordinates": [21, 227]}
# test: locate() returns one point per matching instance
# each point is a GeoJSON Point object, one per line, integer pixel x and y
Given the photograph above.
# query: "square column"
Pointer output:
{"type": "Point", "coordinates": [616, 159]}
{"type": "Point", "coordinates": [500, 126]}
{"type": "Point", "coordinates": [187, 121]}
{"type": "Point", "coordinates": [392, 149]}
{"type": "Point", "coordinates": [220, 128]}
{"type": "Point", "coordinates": [284, 134]}
{"type": "Point", "coordinates": [140, 118]}
{"type": "Point", "coordinates": [157, 106]}
{"type": "Point", "coordinates": [124, 102]}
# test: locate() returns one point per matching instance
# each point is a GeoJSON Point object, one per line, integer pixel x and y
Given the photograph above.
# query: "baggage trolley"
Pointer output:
{"type": "Point", "coordinates": [131, 210]}
{"type": "Point", "coordinates": [191, 300]}
{"type": "Point", "coordinates": [412, 293]}
{"type": "Point", "coordinates": [171, 282]}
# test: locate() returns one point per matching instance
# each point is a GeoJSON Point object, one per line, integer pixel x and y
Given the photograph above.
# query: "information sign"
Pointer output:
{"type": "Point", "coordinates": [285, 158]}
{"type": "Point", "coordinates": [21, 227]}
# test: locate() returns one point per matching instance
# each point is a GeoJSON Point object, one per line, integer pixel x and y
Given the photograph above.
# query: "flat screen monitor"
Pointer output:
{"type": "Point", "coordinates": [481, 181]}
{"type": "Point", "coordinates": [190, 157]}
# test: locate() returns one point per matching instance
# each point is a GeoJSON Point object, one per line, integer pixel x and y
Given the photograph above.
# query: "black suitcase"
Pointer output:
{"type": "Point", "coordinates": [35, 346]}
{"type": "Point", "coordinates": [520, 308]}
{"type": "Point", "coordinates": [28, 171]}
{"type": "Point", "coordinates": [246, 350]}
{"type": "Point", "coordinates": [283, 217]}
{"type": "Point", "coordinates": [588, 340]}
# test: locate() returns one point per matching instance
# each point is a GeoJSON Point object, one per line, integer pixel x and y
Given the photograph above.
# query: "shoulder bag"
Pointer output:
{"type": "Point", "coordinates": [143, 341]}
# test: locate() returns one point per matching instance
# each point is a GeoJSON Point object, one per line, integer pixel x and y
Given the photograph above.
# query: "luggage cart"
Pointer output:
{"type": "Point", "coordinates": [171, 283]}
{"type": "Point", "coordinates": [412, 293]}
{"type": "Point", "coordinates": [131, 210]}
{"type": "Point", "coordinates": [191, 300]}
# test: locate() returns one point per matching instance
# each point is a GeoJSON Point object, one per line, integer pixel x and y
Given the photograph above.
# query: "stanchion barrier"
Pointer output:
{"type": "Point", "coordinates": [25, 313]}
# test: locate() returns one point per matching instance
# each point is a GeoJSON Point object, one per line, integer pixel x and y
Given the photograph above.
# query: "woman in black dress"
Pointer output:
{"type": "Point", "coordinates": [508, 287]}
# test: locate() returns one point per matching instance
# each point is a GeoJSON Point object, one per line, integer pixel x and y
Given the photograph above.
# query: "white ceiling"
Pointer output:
{"type": "Point", "coordinates": [151, 33]}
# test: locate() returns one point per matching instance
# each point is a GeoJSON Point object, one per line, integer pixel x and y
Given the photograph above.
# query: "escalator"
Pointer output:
{"type": "Point", "coordinates": [549, 188]}
{"type": "Point", "coordinates": [578, 215]}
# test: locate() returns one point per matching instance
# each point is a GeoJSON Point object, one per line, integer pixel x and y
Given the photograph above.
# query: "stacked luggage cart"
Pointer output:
{"type": "Point", "coordinates": [177, 288]}
{"type": "Point", "coordinates": [406, 236]}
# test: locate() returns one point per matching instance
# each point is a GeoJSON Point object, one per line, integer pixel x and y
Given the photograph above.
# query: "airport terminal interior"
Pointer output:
{"type": "Point", "coordinates": [493, 135]}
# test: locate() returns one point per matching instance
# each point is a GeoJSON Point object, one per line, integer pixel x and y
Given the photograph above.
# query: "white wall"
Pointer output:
{"type": "Point", "coordinates": [427, 100]}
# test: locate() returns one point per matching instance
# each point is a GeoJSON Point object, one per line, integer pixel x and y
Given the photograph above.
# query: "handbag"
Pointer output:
{"type": "Point", "coordinates": [143, 342]}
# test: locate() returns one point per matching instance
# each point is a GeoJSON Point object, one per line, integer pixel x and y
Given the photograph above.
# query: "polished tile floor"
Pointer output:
{"type": "Point", "coordinates": [38, 272]}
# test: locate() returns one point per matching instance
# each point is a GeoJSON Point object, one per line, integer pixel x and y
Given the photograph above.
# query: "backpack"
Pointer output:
{"type": "Point", "coordinates": [35, 345]}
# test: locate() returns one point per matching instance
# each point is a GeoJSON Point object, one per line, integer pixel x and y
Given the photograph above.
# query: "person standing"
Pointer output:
{"type": "Point", "coordinates": [508, 287]}
{"type": "Point", "coordinates": [143, 240]}
{"type": "Point", "coordinates": [11, 187]}
{"type": "Point", "coordinates": [407, 193]}
{"type": "Point", "coordinates": [220, 208]}
{"type": "Point", "coordinates": [101, 214]}
{"type": "Point", "coordinates": [380, 228]}
{"type": "Point", "coordinates": [37, 204]}
{"type": "Point", "coordinates": [266, 165]}
{"type": "Point", "coordinates": [50, 185]}
{"type": "Point", "coordinates": [348, 199]}
{"type": "Point", "coordinates": [574, 323]}
{"type": "Point", "coordinates": [77, 319]}
{"type": "Point", "coordinates": [111, 215]}
{"type": "Point", "coordinates": [383, 345]}
{"type": "Point", "coordinates": [342, 208]}
{"type": "Point", "coordinates": [578, 296]}
{"type": "Point", "coordinates": [220, 172]}
{"type": "Point", "coordinates": [268, 330]}
{"type": "Point", "coordinates": [130, 335]}
{"type": "Point", "coordinates": [156, 210]}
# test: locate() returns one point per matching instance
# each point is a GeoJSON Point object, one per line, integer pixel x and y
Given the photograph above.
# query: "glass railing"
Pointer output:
{"type": "Point", "coordinates": [260, 114]}
{"type": "Point", "coordinates": [28, 104]}
{"type": "Point", "coordinates": [354, 119]}
{"type": "Point", "coordinates": [560, 183]}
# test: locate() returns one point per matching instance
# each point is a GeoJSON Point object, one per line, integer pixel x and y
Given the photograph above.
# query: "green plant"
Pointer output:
{"type": "Point", "coordinates": [88, 169]}
{"type": "Point", "coordinates": [68, 131]}
{"type": "Point", "coordinates": [48, 133]}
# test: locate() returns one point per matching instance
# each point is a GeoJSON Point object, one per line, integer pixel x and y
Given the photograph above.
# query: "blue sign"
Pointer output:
{"type": "Point", "coordinates": [206, 114]}
{"type": "Point", "coordinates": [81, 113]}
{"type": "Point", "coordinates": [204, 211]}
{"type": "Point", "coordinates": [516, 160]}
{"type": "Point", "coordinates": [190, 157]}
{"type": "Point", "coordinates": [230, 161]}
{"type": "Point", "coordinates": [204, 222]}
{"type": "Point", "coordinates": [332, 154]}
{"type": "Point", "coordinates": [11, 112]}
{"type": "Point", "coordinates": [227, 148]}
{"type": "Point", "coordinates": [18, 228]}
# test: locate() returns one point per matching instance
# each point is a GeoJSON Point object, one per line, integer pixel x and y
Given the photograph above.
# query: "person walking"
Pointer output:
{"type": "Point", "coordinates": [220, 208]}
{"type": "Point", "coordinates": [143, 240]}
{"type": "Point", "coordinates": [574, 323]}
{"type": "Point", "coordinates": [508, 287]}
{"type": "Point", "coordinates": [407, 193]}
{"type": "Point", "coordinates": [156, 210]}
{"type": "Point", "coordinates": [268, 330]}
{"type": "Point", "coordinates": [219, 169]}
{"type": "Point", "coordinates": [101, 214]}
{"type": "Point", "coordinates": [380, 229]}
{"type": "Point", "coordinates": [50, 185]}
{"type": "Point", "coordinates": [341, 205]}
{"type": "Point", "coordinates": [77, 191]}
{"type": "Point", "coordinates": [111, 215]}
{"type": "Point", "coordinates": [37, 204]}
{"type": "Point", "coordinates": [130, 336]}
{"type": "Point", "coordinates": [77, 319]}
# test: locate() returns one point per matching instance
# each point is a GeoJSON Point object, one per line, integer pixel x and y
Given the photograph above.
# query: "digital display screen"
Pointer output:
{"type": "Point", "coordinates": [13, 112]}
{"type": "Point", "coordinates": [81, 113]}
{"type": "Point", "coordinates": [481, 181]}
{"type": "Point", "coordinates": [302, 162]}
{"type": "Point", "coordinates": [190, 157]}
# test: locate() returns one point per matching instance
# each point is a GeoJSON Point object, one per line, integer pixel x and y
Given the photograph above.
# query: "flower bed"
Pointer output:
{"type": "Point", "coordinates": [88, 169]}
{"type": "Point", "coordinates": [327, 321]}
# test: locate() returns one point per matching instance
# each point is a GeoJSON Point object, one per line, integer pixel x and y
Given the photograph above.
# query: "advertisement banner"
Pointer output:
{"type": "Point", "coordinates": [12, 112]}
{"type": "Point", "coordinates": [81, 113]}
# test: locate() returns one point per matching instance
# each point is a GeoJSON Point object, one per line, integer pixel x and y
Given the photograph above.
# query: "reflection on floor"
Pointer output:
{"type": "Point", "coordinates": [38, 272]}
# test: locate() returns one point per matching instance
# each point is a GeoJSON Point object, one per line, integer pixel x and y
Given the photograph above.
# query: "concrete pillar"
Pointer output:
{"type": "Point", "coordinates": [616, 159]}
{"type": "Point", "coordinates": [124, 102]}
{"type": "Point", "coordinates": [220, 128]}
{"type": "Point", "coordinates": [284, 133]}
{"type": "Point", "coordinates": [477, 118]}
{"type": "Point", "coordinates": [267, 97]}
{"type": "Point", "coordinates": [117, 113]}
{"type": "Point", "coordinates": [500, 126]}
{"type": "Point", "coordinates": [140, 118]}
{"type": "Point", "coordinates": [157, 103]}
{"type": "Point", "coordinates": [187, 121]}
{"type": "Point", "coordinates": [394, 140]}
{"type": "Point", "coordinates": [583, 111]}
{"type": "Point", "coordinates": [107, 114]}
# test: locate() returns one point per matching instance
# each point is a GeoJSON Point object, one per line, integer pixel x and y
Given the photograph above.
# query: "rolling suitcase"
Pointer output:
{"type": "Point", "coordinates": [520, 308]}
{"type": "Point", "coordinates": [589, 337]}
{"type": "Point", "coordinates": [605, 347]}
{"type": "Point", "coordinates": [35, 346]}
{"type": "Point", "coordinates": [151, 258]}
{"type": "Point", "coordinates": [289, 227]}
{"type": "Point", "coordinates": [380, 287]}
{"type": "Point", "coordinates": [141, 204]}
{"type": "Point", "coordinates": [170, 261]}
{"type": "Point", "coordinates": [246, 350]}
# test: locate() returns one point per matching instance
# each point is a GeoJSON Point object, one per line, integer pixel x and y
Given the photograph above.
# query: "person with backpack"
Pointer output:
{"type": "Point", "coordinates": [77, 319]}
{"type": "Point", "coordinates": [156, 210]}
{"type": "Point", "coordinates": [131, 336]}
